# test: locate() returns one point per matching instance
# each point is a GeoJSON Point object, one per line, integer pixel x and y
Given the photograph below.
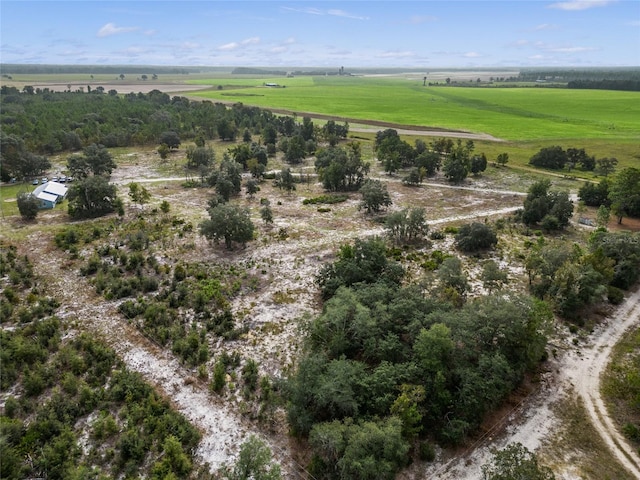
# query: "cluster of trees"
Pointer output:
{"type": "Point", "coordinates": [75, 411]}
{"type": "Point", "coordinates": [389, 368]}
{"type": "Point", "coordinates": [455, 159]}
{"type": "Point", "coordinates": [620, 195]}
{"type": "Point", "coordinates": [91, 194]}
{"type": "Point", "coordinates": [549, 209]}
{"type": "Point", "coordinates": [573, 278]}
{"type": "Point", "coordinates": [628, 85]}
{"type": "Point", "coordinates": [45, 122]}
{"type": "Point", "coordinates": [557, 158]}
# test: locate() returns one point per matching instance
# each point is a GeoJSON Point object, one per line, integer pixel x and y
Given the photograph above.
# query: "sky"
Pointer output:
{"type": "Point", "coordinates": [321, 33]}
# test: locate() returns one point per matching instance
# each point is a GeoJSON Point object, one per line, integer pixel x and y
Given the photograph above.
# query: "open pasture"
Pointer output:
{"type": "Point", "coordinates": [508, 113]}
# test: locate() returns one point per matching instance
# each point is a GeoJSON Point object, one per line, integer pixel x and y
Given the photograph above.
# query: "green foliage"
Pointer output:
{"type": "Point", "coordinates": [229, 223]}
{"type": "Point", "coordinates": [375, 196]}
{"type": "Point", "coordinates": [514, 462]}
{"type": "Point", "coordinates": [476, 236]}
{"type": "Point", "coordinates": [551, 209]}
{"type": "Point", "coordinates": [341, 169]}
{"type": "Point", "coordinates": [94, 160]}
{"type": "Point", "coordinates": [92, 197]}
{"type": "Point", "coordinates": [364, 451]}
{"type": "Point", "coordinates": [624, 193]}
{"type": "Point", "coordinates": [254, 462]}
{"type": "Point", "coordinates": [326, 199]}
{"type": "Point", "coordinates": [553, 157]}
{"type": "Point", "coordinates": [364, 261]}
{"type": "Point", "coordinates": [28, 205]}
{"type": "Point", "coordinates": [138, 194]}
{"type": "Point", "coordinates": [408, 225]}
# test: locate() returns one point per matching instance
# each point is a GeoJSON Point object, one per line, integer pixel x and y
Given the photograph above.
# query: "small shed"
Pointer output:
{"type": "Point", "coordinates": [56, 189]}
{"type": "Point", "coordinates": [47, 200]}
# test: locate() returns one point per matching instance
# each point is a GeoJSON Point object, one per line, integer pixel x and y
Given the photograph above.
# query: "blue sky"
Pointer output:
{"type": "Point", "coordinates": [416, 34]}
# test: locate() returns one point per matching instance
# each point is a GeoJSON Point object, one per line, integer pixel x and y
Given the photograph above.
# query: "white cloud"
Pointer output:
{"type": "Point", "coordinates": [342, 13]}
{"type": "Point", "coordinates": [544, 26]}
{"type": "Point", "coordinates": [571, 49]}
{"type": "Point", "coordinates": [235, 45]}
{"type": "Point", "coordinates": [331, 12]}
{"type": "Point", "coordinates": [419, 19]}
{"type": "Point", "coordinates": [396, 54]}
{"type": "Point", "coordinates": [250, 41]}
{"type": "Point", "coordinates": [574, 5]}
{"type": "Point", "coordinates": [229, 46]}
{"type": "Point", "coordinates": [111, 29]}
{"type": "Point", "coordinates": [471, 55]}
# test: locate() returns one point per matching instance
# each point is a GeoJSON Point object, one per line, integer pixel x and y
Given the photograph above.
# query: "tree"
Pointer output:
{"type": "Point", "coordinates": [28, 205]}
{"type": "Point", "coordinates": [163, 151]}
{"type": "Point", "coordinates": [363, 262]}
{"type": "Point", "coordinates": [252, 187]}
{"type": "Point", "coordinates": [170, 138]}
{"type": "Point", "coordinates": [502, 159]}
{"type": "Point", "coordinates": [515, 462]}
{"type": "Point", "coordinates": [603, 216]}
{"type": "Point", "coordinates": [595, 194]}
{"type": "Point", "coordinates": [200, 156]}
{"type": "Point", "coordinates": [577, 156]}
{"type": "Point", "coordinates": [266, 213]}
{"type": "Point", "coordinates": [253, 463]}
{"type": "Point", "coordinates": [475, 236]}
{"type": "Point", "coordinates": [606, 166]}
{"type": "Point", "coordinates": [92, 197]}
{"type": "Point", "coordinates": [138, 194]}
{"type": "Point", "coordinates": [341, 169]}
{"type": "Point", "coordinates": [457, 164]}
{"type": "Point", "coordinates": [229, 223]}
{"type": "Point", "coordinates": [95, 160]}
{"type": "Point", "coordinates": [478, 164]}
{"type": "Point", "coordinates": [450, 274]}
{"type": "Point", "coordinates": [624, 193]}
{"type": "Point", "coordinates": [296, 150]}
{"type": "Point", "coordinates": [492, 277]}
{"type": "Point", "coordinates": [375, 196]}
{"type": "Point", "coordinates": [430, 161]}
{"type": "Point", "coordinates": [407, 225]}
{"type": "Point", "coordinates": [550, 157]}
{"type": "Point", "coordinates": [285, 180]}
{"type": "Point", "coordinates": [554, 209]}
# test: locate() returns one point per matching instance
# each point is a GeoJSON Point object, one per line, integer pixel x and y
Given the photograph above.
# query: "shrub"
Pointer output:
{"type": "Point", "coordinates": [475, 236]}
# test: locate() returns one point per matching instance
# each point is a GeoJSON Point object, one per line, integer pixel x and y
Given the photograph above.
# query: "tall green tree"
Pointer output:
{"type": "Point", "coordinates": [228, 223]}
{"type": "Point", "coordinates": [28, 206]}
{"type": "Point", "coordinates": [515, 462]}
{"type": "Point", "coordinates": [93, 196]}
{"type": "Point", "coordinates": [624, 193]}
{"type": "Point", "coordinates": [375, 196]}
{"type": "Point", "coordinates": [94, 160]}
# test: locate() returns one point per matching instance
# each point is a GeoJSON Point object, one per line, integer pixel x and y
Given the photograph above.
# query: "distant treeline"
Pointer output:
{"type": "Point", "coordinates": [569, 75]}
{"type": "Point", "coordinates": [19, 69]}
{"type": "Point", "coordinates": [628, 85]}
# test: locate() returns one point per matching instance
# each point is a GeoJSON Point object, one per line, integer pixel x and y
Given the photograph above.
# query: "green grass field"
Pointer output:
{"type": "Point", "coordinates": [509, 113]}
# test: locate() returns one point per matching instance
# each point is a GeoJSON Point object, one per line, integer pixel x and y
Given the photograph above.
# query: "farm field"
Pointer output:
{"type": "Point", "coordinates": [513, 114]}
{"type": "Point", "coordinates": [274, 290]}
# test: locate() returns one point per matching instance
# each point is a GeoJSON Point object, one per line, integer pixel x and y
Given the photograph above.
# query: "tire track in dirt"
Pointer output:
{"type": "Point", "coordinates": [587, 373]}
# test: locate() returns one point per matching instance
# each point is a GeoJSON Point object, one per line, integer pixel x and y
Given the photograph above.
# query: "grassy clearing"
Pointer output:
{"type": "Point", "coordinates": [578, 450]}
{"type": "Point", "coordinates": [621, 386]}
{"type": "Point", "coordinates": [509, 113]}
